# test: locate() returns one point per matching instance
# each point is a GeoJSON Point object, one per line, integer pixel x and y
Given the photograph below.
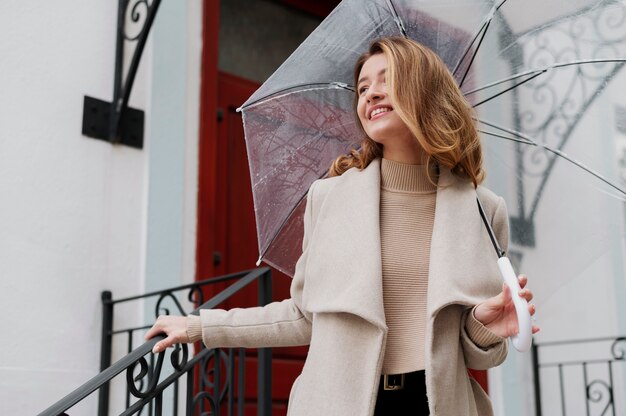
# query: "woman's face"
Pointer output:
{"type": "Point", "coordinates": [375, 109]}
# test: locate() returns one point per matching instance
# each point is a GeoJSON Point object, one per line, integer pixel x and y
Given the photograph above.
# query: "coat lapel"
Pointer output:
{"type": "Point", "coordinates": [463, 264]}
{"type": "Point", "coordinates": [346, 246]}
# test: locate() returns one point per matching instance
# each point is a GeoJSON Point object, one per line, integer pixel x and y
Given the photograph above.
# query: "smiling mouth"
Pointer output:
{"type": "Point", "coordinates": [377, 114]}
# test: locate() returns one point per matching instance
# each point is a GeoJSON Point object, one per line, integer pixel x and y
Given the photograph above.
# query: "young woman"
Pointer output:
{"type": "Point", "coordinates": [397, 291]}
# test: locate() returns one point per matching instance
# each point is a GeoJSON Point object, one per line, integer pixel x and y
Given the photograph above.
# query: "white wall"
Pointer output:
{"type": "Point", "coordinates": [74, 217]}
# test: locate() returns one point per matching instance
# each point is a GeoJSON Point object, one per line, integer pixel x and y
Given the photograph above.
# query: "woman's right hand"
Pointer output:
{"type": "Point", "coordinates": [498, 313]}
{"type": "Point", "coordinates": [175, 327]}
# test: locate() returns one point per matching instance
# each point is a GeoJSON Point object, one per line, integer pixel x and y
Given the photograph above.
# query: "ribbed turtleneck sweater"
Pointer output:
{"type": "Point", "coordinates": [407, 212]}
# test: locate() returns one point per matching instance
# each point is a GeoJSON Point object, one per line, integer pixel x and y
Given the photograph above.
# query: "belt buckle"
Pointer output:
{"type": "Point", "coordinates": [393, 381]}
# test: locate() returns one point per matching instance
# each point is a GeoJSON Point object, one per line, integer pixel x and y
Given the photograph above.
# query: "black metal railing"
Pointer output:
{"type": "Point", "coordinates": [206, 384]}
{"type": "Point", "coordinates": [579, 377]}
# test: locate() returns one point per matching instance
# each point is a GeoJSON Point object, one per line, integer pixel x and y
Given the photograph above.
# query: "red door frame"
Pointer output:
{"type": "Point", "coordinates": [207, 176]}
{"type": "Point", "coordinates": [317, 8]}
{"type": "Point", "coordinates": [287, 363]}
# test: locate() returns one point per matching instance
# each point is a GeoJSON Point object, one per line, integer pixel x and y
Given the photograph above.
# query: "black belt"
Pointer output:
{"type": "Point", "coordinates": [396, 381]}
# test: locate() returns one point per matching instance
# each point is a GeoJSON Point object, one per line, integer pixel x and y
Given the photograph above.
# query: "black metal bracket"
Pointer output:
{"type": "Point", "coordinates": [114, 121]}
{"type": "Point", "coordinates": [522, 231]}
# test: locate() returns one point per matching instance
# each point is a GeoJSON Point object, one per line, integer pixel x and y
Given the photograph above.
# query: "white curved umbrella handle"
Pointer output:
{"type": "Point", "coordinates": [523, 339]}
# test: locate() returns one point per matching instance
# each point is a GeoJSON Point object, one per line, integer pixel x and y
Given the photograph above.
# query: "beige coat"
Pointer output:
{"type": "Point", "coordinates": [336, 303]}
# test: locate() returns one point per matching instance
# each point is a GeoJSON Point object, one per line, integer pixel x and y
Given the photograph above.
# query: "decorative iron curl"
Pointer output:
{"type": "Point", "coordinates": [208, 375]}
{"type": "Point", "coordinates": [138, 16]}
{"type": "Point", "coordinates": [165, 311]}
{"type": "Point", "coordinates": [596, 396]}
{"type": "Point", "coordinates": [197, 402]}
{"type": "Point", "coordinates": [207, 387]}
{"type": "Point", "coordinates": [152, 377]}
{"type": "Point", "coordinates": [619, 351]}
{"type": "Point", "coordinates": [613, 20]}
{"type": "Point", "coordinates": [602, 27]}
{"type": "Point", "coordinates": [179, 357]}
{"type": "Point", "coordinates": [196, 296]}
{"type": "Point", "coordinates": [554, 110]}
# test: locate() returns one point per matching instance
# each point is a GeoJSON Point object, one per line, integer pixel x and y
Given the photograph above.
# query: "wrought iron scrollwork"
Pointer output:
{"type": "Point", "coordinates": [179, 357]}
{"type": "Point", "coordinates": [552, 115]}
{"type": "Point", "coordinates": [215, 384]}
{"type": "Point", "coordinates": [561, 68]}
{"type": "Point", "coordinates": [596, 391]}
{"type": "Point", "coordinates": [194, 296]}
{"type": "Point", "coordinates": [138, 14]}
{"type": "Point", "coordinates": [202, 397]}
{"type": "Point", "coordinates": [149, 376]}
{"type": "Point", "coordinates": [151, 381]}
{"type": "Point", "coordinates": [160, 310]}
{"type": "Point", "coordinates": [209, 371]}
{"type": "Point", "coordinates": [596, 367]}
{"type": "Point", "coordinates": [115, 121]}
{"type": "Point", "coordinates": [619, 351]}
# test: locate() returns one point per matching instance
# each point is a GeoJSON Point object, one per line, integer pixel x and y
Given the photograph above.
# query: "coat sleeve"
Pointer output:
{"type": "Point", "coordinates": [481, 348]}
{"type": "Point", "coordinates": [277, 324]}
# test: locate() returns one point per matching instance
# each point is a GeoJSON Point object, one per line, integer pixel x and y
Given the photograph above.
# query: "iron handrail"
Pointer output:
{"type": "Point", "coordinates": [92, 385]}
{"type": "Point", "coordinates": [614, 354]}
{"type": "Point", "coordinates": [136, 356]}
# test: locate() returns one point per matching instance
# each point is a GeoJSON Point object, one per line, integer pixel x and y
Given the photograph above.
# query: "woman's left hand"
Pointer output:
{"type": "Point", "coordinates": [175, 327]}
{"type": "Point", "coordinates": [498, 313]}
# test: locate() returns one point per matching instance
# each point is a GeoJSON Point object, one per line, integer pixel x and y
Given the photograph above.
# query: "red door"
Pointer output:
{"type": "Point", "coordinates": [234, 234]}
{"type": "Point", "coordinates": [226, 231]}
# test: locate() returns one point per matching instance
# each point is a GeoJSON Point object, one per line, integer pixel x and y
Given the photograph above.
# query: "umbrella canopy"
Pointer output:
{"type": "Point", "coordinates": [543, 78]}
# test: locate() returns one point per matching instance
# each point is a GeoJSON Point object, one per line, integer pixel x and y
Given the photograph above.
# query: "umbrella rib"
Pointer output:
{"type": "Point", "coordinates": [483, 30]}
{"type": "Point", "coordinates": [501, 136]}
{"type": "Point", "coordinates": [502, 81]}
{"type": "Point", "coordinates": [543, 70]}
{"type": "Point", "coordinates": [508, 89]}
{"type": "Point", "coordinates": [527, 140]}
{"type": "Point", "coordinates": [396, 18]}
{"type": "Point", "coordinates": [523, 138]}
{"type": "Point", "coordinates": [474, 54]}
{"type": "Point", "coordinates": [297, 88]}
{"type": "Point", "coordinates": [494, 240]}
{"type": "Point", "coordinates": [469, 46]}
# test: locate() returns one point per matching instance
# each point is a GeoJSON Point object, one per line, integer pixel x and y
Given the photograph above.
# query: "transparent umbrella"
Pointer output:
{"type": "Point", "coordinates": [545, 79]}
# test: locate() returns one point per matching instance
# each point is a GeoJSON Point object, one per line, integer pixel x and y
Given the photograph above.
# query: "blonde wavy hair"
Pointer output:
{"type": "Point", "coordinates": [428, 100]}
